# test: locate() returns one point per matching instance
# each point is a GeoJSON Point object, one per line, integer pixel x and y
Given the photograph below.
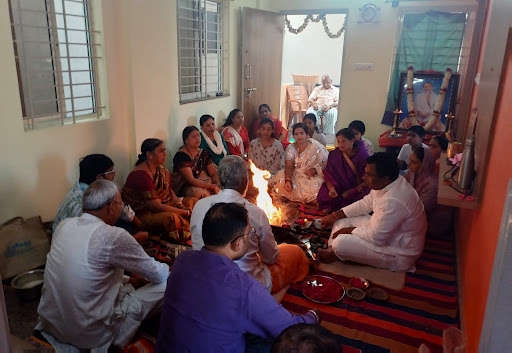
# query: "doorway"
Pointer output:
{"type": "Point", "coordinates": [309, 53]}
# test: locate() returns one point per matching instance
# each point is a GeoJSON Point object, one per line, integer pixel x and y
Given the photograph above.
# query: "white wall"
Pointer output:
{"type": "Point", "coordinates": [38, 167]}
{"type": "Point", "coordinates": [363, 94]}
{"type": "Point", "coordinates": [312, 52]}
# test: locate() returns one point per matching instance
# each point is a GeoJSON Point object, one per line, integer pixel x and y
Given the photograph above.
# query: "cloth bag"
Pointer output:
{"type": "Point", "coordinates": [23, 245]}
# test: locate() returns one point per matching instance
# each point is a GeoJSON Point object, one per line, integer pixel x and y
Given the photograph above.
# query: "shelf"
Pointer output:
{"type": "Point", "coordinates": [446, 195]}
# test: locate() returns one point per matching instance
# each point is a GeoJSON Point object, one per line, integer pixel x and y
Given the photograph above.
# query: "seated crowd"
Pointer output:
{"type": "Point", "coordinates": [237, 262]}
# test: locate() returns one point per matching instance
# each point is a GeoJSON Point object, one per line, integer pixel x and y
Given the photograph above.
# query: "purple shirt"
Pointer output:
{"type": "Point", "coordinates": [210, 303]}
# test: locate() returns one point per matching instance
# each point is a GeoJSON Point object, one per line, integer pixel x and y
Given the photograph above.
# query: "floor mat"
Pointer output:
{"type": "Point", "coordinates": [381, 277]}
{"type": "Point", "coordinates": [417, 314]}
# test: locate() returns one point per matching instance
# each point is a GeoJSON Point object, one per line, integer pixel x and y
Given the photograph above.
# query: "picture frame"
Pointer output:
{"type": "Point", "coordinates": [421, 103]}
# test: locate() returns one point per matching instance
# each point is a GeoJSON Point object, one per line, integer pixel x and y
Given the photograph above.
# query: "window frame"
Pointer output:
{"type": "Point", "coordinates": [66, 111]}
{"type": "Point", "coordinates": [199, 88]}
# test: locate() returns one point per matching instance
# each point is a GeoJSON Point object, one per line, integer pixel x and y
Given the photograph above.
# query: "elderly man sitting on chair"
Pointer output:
{"type": "Point", "coordinates": [324, 104]}
{"type": "Point", "coordinates": [394, 236]}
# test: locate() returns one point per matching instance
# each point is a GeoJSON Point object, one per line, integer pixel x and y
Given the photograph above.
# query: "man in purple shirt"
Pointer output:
{"type": "Point", "coordinates": [210, 303]}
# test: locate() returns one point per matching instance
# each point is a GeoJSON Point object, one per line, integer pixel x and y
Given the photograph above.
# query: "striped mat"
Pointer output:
{"type": "Point", "coordinates": [417, 314]}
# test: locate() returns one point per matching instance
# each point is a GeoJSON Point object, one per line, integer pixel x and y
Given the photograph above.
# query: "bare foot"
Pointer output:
{"type": "Point", "coordinates": [327, 256]}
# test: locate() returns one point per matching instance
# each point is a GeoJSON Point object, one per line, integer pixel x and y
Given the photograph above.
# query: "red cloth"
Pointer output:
{"type": "Point", "coordinates": [244, 134]}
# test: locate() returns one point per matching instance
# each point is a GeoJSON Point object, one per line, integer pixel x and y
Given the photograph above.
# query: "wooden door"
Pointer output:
{"type": "Point", "coordinates": [262, 49]}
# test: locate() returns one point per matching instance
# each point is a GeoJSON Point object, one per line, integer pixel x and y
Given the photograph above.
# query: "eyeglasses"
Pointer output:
{"type": "Point", "coordinates": [252, 234]}
{"type": "Point", "coordinates": [123, 205]}
{"type": "Point", "coordinates": [109, 172]}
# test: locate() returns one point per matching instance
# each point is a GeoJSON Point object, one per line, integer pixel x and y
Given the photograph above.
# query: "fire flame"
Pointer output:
{"type": "Point", "coordinates": [264, 201]}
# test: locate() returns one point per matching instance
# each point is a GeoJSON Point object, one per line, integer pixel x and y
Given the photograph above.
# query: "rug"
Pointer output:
{"type": "Point", "coordinates": [417, 314]}
{"type": "Point", "coordinates": [378, 276]}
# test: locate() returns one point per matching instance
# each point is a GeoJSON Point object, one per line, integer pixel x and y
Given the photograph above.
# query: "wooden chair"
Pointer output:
{"type": "Point", "coordinates": [297, 102]}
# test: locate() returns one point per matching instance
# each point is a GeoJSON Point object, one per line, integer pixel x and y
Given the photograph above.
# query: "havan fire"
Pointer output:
{"type": "Point", "coordinates": [264, 201]}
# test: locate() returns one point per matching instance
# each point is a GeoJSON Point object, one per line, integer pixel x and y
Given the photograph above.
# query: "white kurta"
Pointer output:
{"type": "Point", "coordinates": [406, 151]}
{"type": "Point", "coordinates": [84, 302]}
{"type": "Point", "coordinates": [321, 97]}
{"type": "Point", "coordinates": [393, 237]}
{"type": "Point", "coordinates": [262, 249]}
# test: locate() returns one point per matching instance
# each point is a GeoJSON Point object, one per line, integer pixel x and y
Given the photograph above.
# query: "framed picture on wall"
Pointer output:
{"type": "Point", "coordinates": [426, 95]}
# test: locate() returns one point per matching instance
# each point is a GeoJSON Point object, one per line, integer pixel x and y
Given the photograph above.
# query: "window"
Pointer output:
{"type": "Point", "coordinates": [200, 49]}
{"type": "Point", "coordinates": [429, 41]}
{"type": "Point", "coordinates": [56, 58]}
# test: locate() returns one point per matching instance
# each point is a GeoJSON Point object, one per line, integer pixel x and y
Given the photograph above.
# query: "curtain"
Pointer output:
{"type": "Point", "coordinates": [429, 41]}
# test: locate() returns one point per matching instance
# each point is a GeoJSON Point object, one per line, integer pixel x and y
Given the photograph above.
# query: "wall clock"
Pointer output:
{"type": "Point", "coordinates": [368, 13]}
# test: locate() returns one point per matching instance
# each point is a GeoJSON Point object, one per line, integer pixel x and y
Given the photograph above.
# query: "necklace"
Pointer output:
{"type": "Point", "coordinates": [153, 174]}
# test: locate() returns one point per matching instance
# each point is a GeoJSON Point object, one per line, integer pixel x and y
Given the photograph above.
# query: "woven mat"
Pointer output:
{"type": "Point", "coordinates": [418, 314]}
{"type": "Point", "coordinates": [384, 278]}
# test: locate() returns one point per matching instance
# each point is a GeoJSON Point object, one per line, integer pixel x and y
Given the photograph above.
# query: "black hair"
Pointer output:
{"type": "Point", "coordinates": [306, 338]}
{"type": "Point", "coordinates": [187, 131]}
{"type": "Point", "coordinates": [93, 165]}
{"type": "Point", "coordinates": [418, 130]}
{"type": "Point", "coordinates": [386, 165]}
{"type": "Point", "coordinates": [204, 118]}
{"type": "Point", "coordinates": [420, 153]}
{"type": "Point", "coordinates": [267, 121]}
{"type": "Point", "coordinates": [442, 141]}
{"type": "Point", "coordinates": [223, 223]}
{"type": "Point", "coordinates": [229, 120]}
{"type": "Point", "coordinates": [299, 126]}
{"type": "Point", "coordinates": [270, 122]}
{"type": "Point", "coordinates": [347, 133]}
{"type": "Point", "coordinates": [357, 125]}
{"type": "Point", "coordinates": [311, 117]}
{"type": "Point", "coordinates": [264, 105]}
{"type": "Point", "coordinates": [148, 145]}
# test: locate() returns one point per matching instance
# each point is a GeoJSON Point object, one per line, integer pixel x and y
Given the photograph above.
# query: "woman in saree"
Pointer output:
{"type": "Point", "coordinates": [266, 152]}
{"type": "Point", "coordinates": [302, 175]}
{"type": "Point", "coordinates": [343, 173]}
{"type": "Point", "coordinates": [279, 132]}
{"type": "Point", "coordinates": [194, 173]}
{"type": "Point", "coordinates": [211, 140]}
{"type": "Point", "coordinates": [313, 132]}
{"type": "Point", "coordinates": [423, 177]}
{"type": "Point", "coordinates": [438, 145]}
{"type": "Point", "coordinates": [235, 134]}
{"type": "Point", "coordinates": [148, 191]}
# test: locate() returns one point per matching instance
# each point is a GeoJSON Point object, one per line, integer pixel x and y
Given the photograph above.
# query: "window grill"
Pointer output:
{"type": "Point", "coordinates": [200, 49]}
{"type": "Point", "coordinates": [56, 52]}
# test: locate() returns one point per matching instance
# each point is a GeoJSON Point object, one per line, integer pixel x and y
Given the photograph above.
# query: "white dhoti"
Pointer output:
{"type": "Point", "coordinates": [328, 118]}
{"type": "Point", "coordinates": [350, 247]}
{"type": "Point", "coordinates": [132, 308]}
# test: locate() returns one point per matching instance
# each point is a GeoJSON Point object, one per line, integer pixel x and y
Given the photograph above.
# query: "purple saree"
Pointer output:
{"type": "Point", "coordinates": [341, 175]}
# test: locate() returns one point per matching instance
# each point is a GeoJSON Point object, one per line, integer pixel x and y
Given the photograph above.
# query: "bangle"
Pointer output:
{"type": "Point", "coordinates": [316, 315]}
{"type": "Point", "coordinates": [188, 213]}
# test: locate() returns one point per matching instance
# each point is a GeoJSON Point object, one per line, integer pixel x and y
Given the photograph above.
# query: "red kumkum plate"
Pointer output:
{"type": "Point", "coordinates": [322, 289]}
{"type": "Point", "coordinates": [359, 282]}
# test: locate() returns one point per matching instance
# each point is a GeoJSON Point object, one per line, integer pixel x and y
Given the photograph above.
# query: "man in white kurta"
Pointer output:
{"type": "Point", "coordinates": [324, 104]}
{"type": "Point", "coordinates": [394, 236]}
{"type": "Point", "coordinates": [272, 265]}
{"type": "Point", "coordinates": [84, 303]}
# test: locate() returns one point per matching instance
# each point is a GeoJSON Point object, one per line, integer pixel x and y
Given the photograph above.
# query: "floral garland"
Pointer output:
{"type": "Point", "coordinates": [316, 20]}
{"type": "Point", "coordinates": [432, 120]}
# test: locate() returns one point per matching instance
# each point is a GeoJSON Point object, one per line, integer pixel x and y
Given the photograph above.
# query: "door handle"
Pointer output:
{"type": "Point", "coordinates": [248, 68]}
{"type": "Point", "coordinates": [248, 91]}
